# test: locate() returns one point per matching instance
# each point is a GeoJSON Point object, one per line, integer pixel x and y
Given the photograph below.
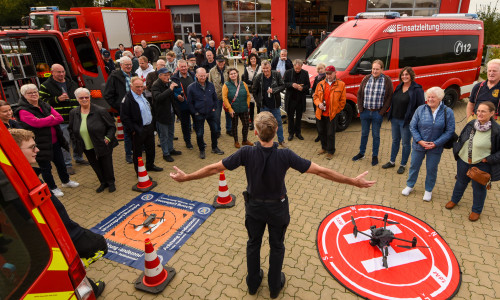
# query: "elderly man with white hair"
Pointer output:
{"type": "Point", "coordinates": [488, 90]}
{"type": "Point", "coordinates": [179, 49]}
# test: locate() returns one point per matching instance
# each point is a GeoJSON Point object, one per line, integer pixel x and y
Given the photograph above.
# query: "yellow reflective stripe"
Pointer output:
{"type": "Point", "coordinates": [38, 216]}
{"type": "Point", "coordinates": [4, 159]}
{"type": "Point", "coordinates": [58, 262]}
{"type": "Point", "coordinates": [54, 295]}
{"type": "Point", "coordinates": [74, 297]}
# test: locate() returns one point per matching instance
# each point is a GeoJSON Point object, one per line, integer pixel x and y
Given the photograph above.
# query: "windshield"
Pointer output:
{"type": "Point", "coordinates": [39, 20]}
{"type": "Point", "coordinates": [336, 51]}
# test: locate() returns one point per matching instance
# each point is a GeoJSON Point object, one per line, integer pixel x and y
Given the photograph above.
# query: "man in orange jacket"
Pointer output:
{"type": "Point", "coordinates": [329, 99]}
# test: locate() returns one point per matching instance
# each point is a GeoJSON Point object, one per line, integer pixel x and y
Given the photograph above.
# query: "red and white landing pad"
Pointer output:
{"type": "Point", "coordinates": [412, 273]}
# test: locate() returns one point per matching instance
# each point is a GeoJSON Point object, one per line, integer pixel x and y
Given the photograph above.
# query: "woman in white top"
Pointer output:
{"type": "Point", "coordinates": [251, 70]}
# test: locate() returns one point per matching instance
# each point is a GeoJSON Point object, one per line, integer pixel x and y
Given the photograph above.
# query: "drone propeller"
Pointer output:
{"type": "Point", "coordinates": [162, 218]}
{"type": "Point", "coordinates": [385, 252]}
{"type": "Point", "coordinates": [355, 229]}
{"type": "Point", "coordinates": [410, 247]}
{"type": "Point", "coordinates": [388, 222]}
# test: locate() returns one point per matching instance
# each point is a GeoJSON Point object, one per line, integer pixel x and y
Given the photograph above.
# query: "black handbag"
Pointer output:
{"type": "Point", "coordinates": [454, 137]}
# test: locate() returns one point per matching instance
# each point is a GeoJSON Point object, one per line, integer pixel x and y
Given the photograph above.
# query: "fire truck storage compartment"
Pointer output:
{"type": "Point", "coordinates": [117, 28]}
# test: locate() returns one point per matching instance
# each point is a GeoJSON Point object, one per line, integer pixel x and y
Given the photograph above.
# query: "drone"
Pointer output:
{"type": "Point", "coordinates": [149, 221]}
{"type": "Point", "coordinates": [382, 238]}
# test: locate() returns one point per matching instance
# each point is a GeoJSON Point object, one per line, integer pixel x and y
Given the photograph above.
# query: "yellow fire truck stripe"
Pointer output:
{"type": "Point", "coordinates": [38, 216]}
{"type": "Point", "coordinates": [58, 262]}
{"type": "Point", "coordinates": [4, 159]}
{"type": "Point", "coordinates": [74, 297]}
{"type": "Point", "coordinates": [54, 295]}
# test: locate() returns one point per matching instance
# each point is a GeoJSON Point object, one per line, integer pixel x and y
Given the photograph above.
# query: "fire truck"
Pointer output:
{"type": "Point", "coordinates": [37, 257]}
{"type": "Point", "coordinates": [112, 25]}
{"type": "Point", "coordinates": [27, 54]}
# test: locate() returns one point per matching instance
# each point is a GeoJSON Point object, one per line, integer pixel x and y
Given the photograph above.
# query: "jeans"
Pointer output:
{"type": "Point", "coordinates": [66, 154]}
{"type": "Point", "coordinates": [127, 141]}
{"type": "Point", "coordinates": [218, 112]}
{"type": "Point", "coordinates": [374, 119]}
{"type": "Point", "coordinates": [431, 165]}
{"type": "Point", "coordinates": [400, 132]}
{"type": "Point", "coordinates": [326, 132]}
{"type": "Point", "coordinates": [277, 114]}
{"type": "Point", "coordinates": [277, 217]}
{"type": "Point", "coordinates": [46, 167]}
{"type": "Point", "coordinates": [199, 127]}
{"type": "Point", "coordinates": [478, 190]}
{"type": "Point", "coordinates": [166, 133]}
{"type": "Point", "coordinates": [185, 117]}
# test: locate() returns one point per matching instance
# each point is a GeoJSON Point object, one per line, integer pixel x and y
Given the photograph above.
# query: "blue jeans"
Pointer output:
{"type": "Point", "coordinates": [46, 167]}
{"type": "Point", "coordinates": [199, 127]}
{"type": "Point", "coordinates": [478, 190]}
{"type": "Point", "coordinates": [166, 134]}
{"type": "Point", "coordinates": [431, 163]}
{"type": "Point", "coordinates": [277, 114]}
{"type": "Point", "coordinates": [374, 119]}
{"type": "Point", "coordinates": [400, 132]}
{"type": "Point", "coordinates": [218, 112]}
{"type": "Point", "coordinates": [66, 154]}
{"type": "Point", "coordinates": [127, 139]}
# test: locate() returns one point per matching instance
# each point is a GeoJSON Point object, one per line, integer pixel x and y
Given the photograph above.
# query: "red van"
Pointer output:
{"type": "Point", "coordinates": [444, 50]}
{"type": "Point", "coordinates": [37, 256]}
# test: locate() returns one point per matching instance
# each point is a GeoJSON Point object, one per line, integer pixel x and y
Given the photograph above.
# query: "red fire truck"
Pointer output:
{"type": "Point", "coordinates": [37, 256]}
{"type": "Point", "coordinates": [112, 25]}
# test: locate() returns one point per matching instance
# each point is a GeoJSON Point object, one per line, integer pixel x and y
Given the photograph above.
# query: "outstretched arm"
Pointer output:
{"type": "Point", "coordinates": [332, 175]}
{"type": "Point", "coordinates": [206, 171]}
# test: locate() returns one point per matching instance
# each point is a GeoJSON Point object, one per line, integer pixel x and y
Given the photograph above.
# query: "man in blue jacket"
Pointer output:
{"type": "Point", "coordinates": [202, 101]}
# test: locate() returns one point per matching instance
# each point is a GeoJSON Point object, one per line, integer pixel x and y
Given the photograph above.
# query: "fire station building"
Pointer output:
{"type": "Point", "coordinates": [290, 20]}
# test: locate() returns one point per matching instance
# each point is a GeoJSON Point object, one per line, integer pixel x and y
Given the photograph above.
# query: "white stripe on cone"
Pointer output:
{"type": "Point", "coordinates": [150, 256]}
{"type": "Point", "coordinates": [223, 194]}
{"type": "Point", "coordinates": [222, 183]}
{"type": "Point", "coordinates": [153, 272]}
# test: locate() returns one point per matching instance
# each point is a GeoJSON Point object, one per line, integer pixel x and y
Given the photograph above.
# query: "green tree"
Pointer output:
{"type": "Point", "coordinates": [491, 19]}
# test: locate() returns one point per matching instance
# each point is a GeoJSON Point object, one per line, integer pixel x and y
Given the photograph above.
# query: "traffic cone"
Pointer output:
{"type": "Point", "coordinates": [155, 277]}
{"type": "Point", "coordinates": [119, 129]}
{"type": "Point", "coordinates": [223, 198]}
{"type": "Point", "coordinates": [145, 184]}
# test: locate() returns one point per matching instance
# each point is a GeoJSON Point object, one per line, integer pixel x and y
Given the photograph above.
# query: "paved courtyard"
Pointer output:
{"type": "Point", "coordinates": [212, 264]}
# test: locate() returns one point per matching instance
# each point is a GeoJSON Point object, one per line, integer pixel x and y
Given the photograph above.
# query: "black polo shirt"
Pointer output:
{"type": "Point", "coordinates": [265, 168]}
{"type": "Point", "coordinates": [480, 93]}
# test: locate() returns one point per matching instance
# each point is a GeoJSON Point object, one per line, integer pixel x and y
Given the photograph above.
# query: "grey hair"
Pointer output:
{"type": "Point", "coordinates": [265, 63]}
{"type": "Point", "coordinates": [81, 90]}
{"type": "Point", "coordinates": [436, 91]}
{"type": "Point", "coordinates": [127, 54]}
{"type": "Point", "coordinates": [28, 87]}
{"type": "Point", "coordinates": [284, 51]}
{"type": "Point", "coordinates": [178, 42]}
{"type": "Point", "coordinates": [298, 61]}
{"type": "Point", "coordinates": [125, 59]}
{"type": "Point", "coordinates": [495, 61]}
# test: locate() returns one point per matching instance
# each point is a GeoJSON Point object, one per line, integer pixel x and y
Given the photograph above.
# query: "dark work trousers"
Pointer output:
{"type": "Point", "coordinates": [89, 243]}
{"type": "Point", "coordinates": [199, 127]}
{"type": "Point", "coordinates": [326, 132]}
{"type": "Point", "coordinates": [277, 217]}
{"type": "Point", "coordinates": [46, 167]}
{"type": "Point", "coordinates": [185, 117]}
{"type": "Point", "coordinates": [146, 141]}
{"type": "Point", "coordinates": [102, 166]}
{"type": "Point", "coordinates": [251, 111]}
{"type": "Point", "coordinates": [294, 113]}
{"type": "Point", "coordinates": [244, 123]}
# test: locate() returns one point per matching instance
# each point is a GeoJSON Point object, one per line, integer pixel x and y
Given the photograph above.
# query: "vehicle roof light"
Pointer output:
{"type": "Point", "coordinates": [378, 15]}
{"type": "Point", "coordinates": [466, 16]}
{"type": "Point", "coordinates": [44, 8]}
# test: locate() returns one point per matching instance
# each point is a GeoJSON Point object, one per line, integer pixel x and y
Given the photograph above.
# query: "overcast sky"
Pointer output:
{"type": "Point", "coordinates": [475, 4]}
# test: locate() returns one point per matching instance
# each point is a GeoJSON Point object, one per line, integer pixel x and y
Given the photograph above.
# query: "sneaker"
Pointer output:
{"type": "Point", "coordinates": [388, 165]}
{"type": "Point", "coordinates": [175, 152]}
{"type": "Point", "coordinates": [71, 184]}
{"type": "Point", "coordinates": [374, 160]}
{"type": "Point", "coordinates": [401, 169]}
{"type": "Point", "coordinates": [427, 196]}
{"type": "Point", "coordinates": [88, 261]}
{"type": "Point", "coordinates": [406, 191]}
{"type": "Point", "coordinates": [70, 170]}
{"type": "Point", "coordinates": [168, 158]}
{"type": "Point", "coordinates": [358, 157]}
{"type": "Point", "coordinates": [216, 150]}
{"type": "Point", "coordinates": [57, 192]}
{"type": "Point", "coordinates": [276, 293]}
{"type": "Point", "coordinates": [100, 288]}
{"type": "Point", "coordinates": [202, 154]}
{"type": "Point", "coordinates": [129, 159]}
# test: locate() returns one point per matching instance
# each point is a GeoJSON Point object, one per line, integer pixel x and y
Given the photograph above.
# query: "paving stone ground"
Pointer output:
{"type": "Point", "coordinates": [212, 263]}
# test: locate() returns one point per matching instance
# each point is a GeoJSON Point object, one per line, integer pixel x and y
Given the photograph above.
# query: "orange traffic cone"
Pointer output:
{"type": "Point", "coordinates": [119, 129]}
{"type": "Point", "coordinates": [155, 277]}
{"type": "Point", "coordinates": [224, 199]}
{"type": "Point", "coordinates": [145, 184]}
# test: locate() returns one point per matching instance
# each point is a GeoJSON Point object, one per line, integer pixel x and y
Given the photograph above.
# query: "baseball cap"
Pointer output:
{"type": "Point", "coordinates": [220, 57]}
{"type": "Point", "coordinates": [106, 53]}
{"type": "Point", "coordinates": [330, 69]}
{"type": "Point", "coordinates": [191, 56]}
{"type": "Point", "coordinates": [164, 71]}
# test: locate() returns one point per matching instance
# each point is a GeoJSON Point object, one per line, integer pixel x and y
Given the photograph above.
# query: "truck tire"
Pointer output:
{"type": "Point", "coordinates": [451, 96]}
{"type": "Point", "coordinates": [156, 52]}
{"type": "Point", "coordinates": [344, 118]}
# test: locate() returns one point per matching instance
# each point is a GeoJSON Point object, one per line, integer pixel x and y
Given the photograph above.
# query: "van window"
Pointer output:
{"type": "Point", "coordinates": [86, 54]}
{"type": "Point", "coordinates": [336, 51]}
{"type": "Point", "coordinates": [67, 23]}
{"type": "Point", "coordinates": [24, 254]}
{"type": "Point", "coordinates": [40, 20]}
{"type": "Point", "coordinates": [379, 50]}
{"type": "Point", "coordinates": [433, 50]}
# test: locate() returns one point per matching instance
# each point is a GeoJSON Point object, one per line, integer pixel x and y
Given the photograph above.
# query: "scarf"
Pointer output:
{"type": "Point", "coordinates": [482, 128]}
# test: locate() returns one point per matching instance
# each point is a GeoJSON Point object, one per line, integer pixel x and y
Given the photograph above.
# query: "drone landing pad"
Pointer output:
{"type": "Point", "coordinates": [428, 271]}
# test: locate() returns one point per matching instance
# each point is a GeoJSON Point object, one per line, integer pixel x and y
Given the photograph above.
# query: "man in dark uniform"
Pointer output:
{"type": "Point", "coordinates": [266, 201]}
{"type": "Point", "coordinates": [488, 90]}
{"type": "Point", "coordinates": [297, 87]}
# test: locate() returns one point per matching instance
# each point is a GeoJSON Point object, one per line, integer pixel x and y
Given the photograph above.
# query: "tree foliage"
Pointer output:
{"type": "Point", "coordinates": [491, 19]}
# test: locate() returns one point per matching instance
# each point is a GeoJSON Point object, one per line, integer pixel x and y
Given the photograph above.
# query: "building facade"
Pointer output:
{"type": "Point", "coordinates": [290, 20]}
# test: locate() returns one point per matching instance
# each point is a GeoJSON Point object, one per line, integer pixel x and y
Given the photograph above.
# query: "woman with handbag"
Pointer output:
{"type": "Point", "coordinates": [251, 70]}
{"type": "Point", "coordinates": [236, 99]}
{"type": "Point", "coordinates": [432, 125]}
{"type": "Point", "coordinates": [478, 158]}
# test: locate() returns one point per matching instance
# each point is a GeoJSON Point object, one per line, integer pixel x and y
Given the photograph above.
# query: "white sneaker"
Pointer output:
{"type": "Point", "coordinates": [427, 196]}
{"type": "Point", "coordinates": [71, 184]}
{"type": "Point", "coordinates": [57, 192]}
{"type": "Point", "coordinates": [407, 190]}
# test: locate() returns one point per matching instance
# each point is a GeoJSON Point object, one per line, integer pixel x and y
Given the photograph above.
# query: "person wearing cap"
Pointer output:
{"type": "Point", "coordinates": [163, 110]}
{"type": "Point", "coordinates": [218, 76]}
{"type": "Point", "coordinates": [191, 60]}
{"type": "Point", "coordinates": [109, 64]}
{"type": "Point", "coordinates": [297, 86]}
{"type": "Point", "coordinates": [151, 78]}
{"type": "Point", "coordinates": [329, 99]}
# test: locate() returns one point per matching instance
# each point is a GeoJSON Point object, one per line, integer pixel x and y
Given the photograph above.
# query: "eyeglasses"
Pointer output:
{"type": "Point", "coordinates": [138, 87]}
{"type": "Point", "coordinates": [31, 147]}
{"type": "Point", "coordinates": [32, 93]}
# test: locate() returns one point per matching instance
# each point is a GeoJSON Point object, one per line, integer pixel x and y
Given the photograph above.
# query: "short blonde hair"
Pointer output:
{"type": "Point", "coordinates": [21, 135]}
{"type": "Point", "coordinates": [28, 87]}
{"type": "Point", "coordinates": [437, 91]}
{"type": "Point", "coordinates": [138, 48]}
{"type": "Point", "coordinates": [320, 65]}
{"type": "Point", "coordinates": [495, 61]}
{"type": "Point", "coordinates": [266, 125]}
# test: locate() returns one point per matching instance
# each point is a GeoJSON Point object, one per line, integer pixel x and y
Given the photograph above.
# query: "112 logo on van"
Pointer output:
{"type": "Point", "coordinates": [460, 47]}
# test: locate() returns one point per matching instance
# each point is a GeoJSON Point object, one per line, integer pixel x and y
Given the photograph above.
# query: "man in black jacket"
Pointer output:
{"type": "Point", "coordinates": [183, 78]}
{"type": "Point", "coordinates": [117, 86]}
{"type": "Point", "coordinates": [297, 86]}
{"type": "Point", "coordinates": [163, 102]}
{"type": "Point", "coordinates": [282, 63]}
{"type": "Point", "coordinates": [148, 52]}
{"type": "Point", "coordinates": [137, 120]}
{"type": "Point", "coordinates": [59, 92]}
{"type": "Point", "coordinates": [310, 45]}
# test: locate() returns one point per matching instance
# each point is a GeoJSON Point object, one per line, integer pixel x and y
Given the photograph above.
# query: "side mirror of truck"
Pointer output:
{"type": "Point", "coordinates": [364, 67]}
